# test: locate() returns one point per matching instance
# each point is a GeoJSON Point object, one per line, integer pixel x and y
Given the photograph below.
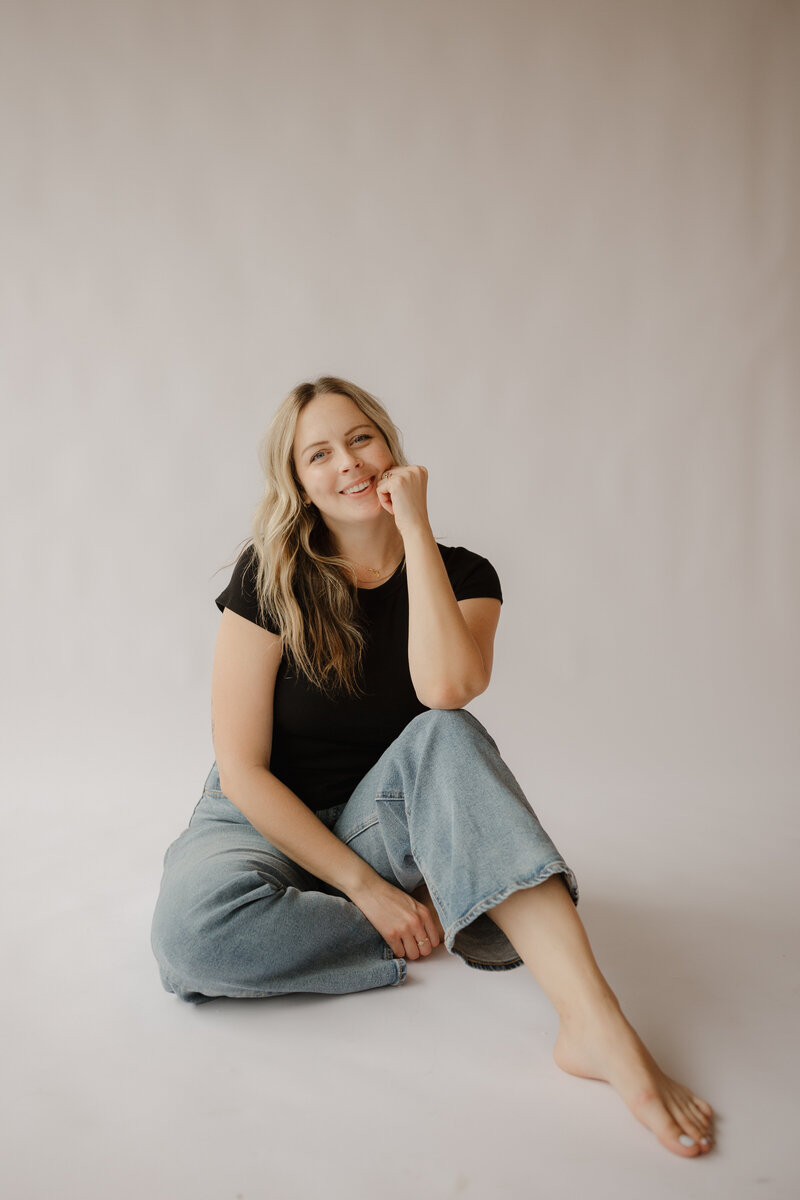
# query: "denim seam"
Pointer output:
{"type": "Point", "coordinates": [434, 895]}
{"type": "Point", "coordinates": [390, 794]}
{"type": "Point", "coordinates": [250, 993]}
{"type": "Point", "coordinates": [367, 824]}
{"type": "Point", "coordinates": [557, 866]}
{"type": "Point", "coordinates": [400, 964]}
{"type": "Point", "coordinates": [506, 965]}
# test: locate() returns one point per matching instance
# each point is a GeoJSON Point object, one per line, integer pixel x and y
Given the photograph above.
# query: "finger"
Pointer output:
{"type": "Point", "coordinates": [426, 938]}
{"type": "Point", "coordinates": [418, 931]}
{"type": "Point", "coordinates": [431, 924]}
{"type": "Point", "coordinates": [422, 896]}
{"type": "Point", "coordinates": [412, 948]}
{"type": "Point", "coordinates": [384, 493]}
{"type": "Point", "coordinates": [424, 945]}
{"type": "Point", "coordinates": [423, 934]}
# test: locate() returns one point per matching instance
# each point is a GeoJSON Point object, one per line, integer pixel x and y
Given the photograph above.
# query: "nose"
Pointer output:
{"type": "Point", "coordinates": [350, 458]}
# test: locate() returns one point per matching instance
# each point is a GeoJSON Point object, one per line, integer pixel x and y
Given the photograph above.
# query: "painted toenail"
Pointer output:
{"type": "Point", "coordinates": [703, 1141]}
{"type": "Point", "coordinates": [685, 1140]}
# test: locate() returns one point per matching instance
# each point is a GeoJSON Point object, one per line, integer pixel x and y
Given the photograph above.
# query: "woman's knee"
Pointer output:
{"type": "Point", "coordinates": [456, 723]}
{"type": "Point", "coordinates": [179, 944]}
{"type": "Point", "coordinates": [210, 940]}
{"type": "Point", "coordinates": [439, 717]}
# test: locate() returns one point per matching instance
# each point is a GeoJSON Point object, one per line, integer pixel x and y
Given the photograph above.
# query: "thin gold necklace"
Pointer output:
{"type": "Point", "coordinates": [375, 573]}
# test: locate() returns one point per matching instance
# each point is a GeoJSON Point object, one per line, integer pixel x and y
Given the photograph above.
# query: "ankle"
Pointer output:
{"type": "Point", "coordinates": [596, 1004]}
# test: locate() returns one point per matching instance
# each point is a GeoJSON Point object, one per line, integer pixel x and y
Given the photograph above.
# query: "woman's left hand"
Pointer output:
{"type": "Point", "coordinates": [403, 492]}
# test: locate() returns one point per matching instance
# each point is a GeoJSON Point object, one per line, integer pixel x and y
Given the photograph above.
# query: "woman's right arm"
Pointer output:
{"type": "Point", "coordinates": [246, 661]}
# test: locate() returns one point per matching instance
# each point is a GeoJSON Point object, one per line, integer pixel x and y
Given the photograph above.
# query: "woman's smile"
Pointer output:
{"type": "Point", "coordinates": [359, 489]}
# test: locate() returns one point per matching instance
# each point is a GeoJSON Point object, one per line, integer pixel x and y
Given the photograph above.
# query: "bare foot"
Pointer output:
{"type": "Point", "coordinates": [605, 1046]}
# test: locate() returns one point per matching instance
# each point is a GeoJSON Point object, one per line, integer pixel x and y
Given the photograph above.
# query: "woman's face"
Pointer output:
{"type": "Point", "coordinates": [336, 448]}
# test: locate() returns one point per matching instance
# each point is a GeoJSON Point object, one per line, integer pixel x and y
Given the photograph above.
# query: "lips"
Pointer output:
{"type": "Point", "coordinates": [369, 479]}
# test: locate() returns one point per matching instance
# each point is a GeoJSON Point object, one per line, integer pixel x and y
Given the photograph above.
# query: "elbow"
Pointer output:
{"type": "Point", "coordinates": [232, 775]}
{"type": "Point", "coordinates": [449, 695]}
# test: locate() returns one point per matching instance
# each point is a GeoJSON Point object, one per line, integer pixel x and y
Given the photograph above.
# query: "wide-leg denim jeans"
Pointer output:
{"type": "Point", "coordinates": [237, 917]}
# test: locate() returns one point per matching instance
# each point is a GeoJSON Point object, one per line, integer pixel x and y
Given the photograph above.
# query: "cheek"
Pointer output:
{"type": "Point", "coordinates": [306, 480]}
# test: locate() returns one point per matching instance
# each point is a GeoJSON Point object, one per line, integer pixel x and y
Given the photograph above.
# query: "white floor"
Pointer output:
{"type": "Point", "coordinates": [444, 1087]}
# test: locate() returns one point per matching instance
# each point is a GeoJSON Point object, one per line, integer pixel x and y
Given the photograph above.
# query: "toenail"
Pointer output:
{"type": "Point", "coordinates": [703, 1141]}
{"type": "Point", "coordinates": [685, 1140]}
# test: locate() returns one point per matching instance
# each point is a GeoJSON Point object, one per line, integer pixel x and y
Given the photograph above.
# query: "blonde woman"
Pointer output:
{"type": "Point", "coordinates": [356, 814]}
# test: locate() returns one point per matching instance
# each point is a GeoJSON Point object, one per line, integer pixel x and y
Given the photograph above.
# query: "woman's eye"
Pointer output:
{"type": "Point", "coordinates": [357, 438]}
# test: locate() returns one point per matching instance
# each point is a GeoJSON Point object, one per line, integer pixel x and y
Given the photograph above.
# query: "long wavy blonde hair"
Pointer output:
{"type": "Point", "coordinates": [301, 582]}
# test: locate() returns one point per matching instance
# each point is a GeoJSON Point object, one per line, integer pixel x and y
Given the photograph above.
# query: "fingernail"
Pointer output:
{"type": "Point", "coordinates": [685, 1140]}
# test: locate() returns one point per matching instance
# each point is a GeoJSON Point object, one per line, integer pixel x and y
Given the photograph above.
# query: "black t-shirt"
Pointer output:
{"type": "Point", "coordinates": [322, 747]}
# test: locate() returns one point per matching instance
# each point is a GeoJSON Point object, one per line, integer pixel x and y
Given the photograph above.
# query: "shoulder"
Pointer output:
{"type": "Point", "coordinates": [243, 577]}
{"type": "Point", "coordinates": [470, 574]}
{"type": "Point", "coordinates": [241, 594]}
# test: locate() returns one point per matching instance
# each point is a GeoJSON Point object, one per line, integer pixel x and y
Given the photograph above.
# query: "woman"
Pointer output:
{"type": "Point", "coordinates": [356, 816]}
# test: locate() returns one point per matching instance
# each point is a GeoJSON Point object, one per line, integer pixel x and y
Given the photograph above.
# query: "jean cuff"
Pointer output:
{"type": "Point", "coordinates": [482, 944]}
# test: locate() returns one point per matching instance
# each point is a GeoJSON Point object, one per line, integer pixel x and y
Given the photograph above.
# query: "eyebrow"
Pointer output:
{"type": "Point", "coordinates": [363, 425]}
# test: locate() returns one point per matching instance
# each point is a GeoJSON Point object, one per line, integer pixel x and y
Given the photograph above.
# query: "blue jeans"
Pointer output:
{"type": "Point", "coordinates": [237, 917]}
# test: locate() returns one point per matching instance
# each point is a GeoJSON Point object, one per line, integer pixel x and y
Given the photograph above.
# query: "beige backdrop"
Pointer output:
{"type": "Point", "coordinates": [559, 240]}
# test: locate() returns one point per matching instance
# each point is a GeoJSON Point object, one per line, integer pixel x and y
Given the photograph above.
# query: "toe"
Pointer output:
{"type": "Point", "coordinates": [690, 1131]}
{"type": "Point", "coordinates": [691, 1128]}
{"type": "Point", "coordinates": [673, 1129]}
{"type": "Point", "coordinates": [699, 1117]}
{"type": "Point", "coordinates": [683, 1107]}
{"type": "Point", "coordinates": [680, 1143]}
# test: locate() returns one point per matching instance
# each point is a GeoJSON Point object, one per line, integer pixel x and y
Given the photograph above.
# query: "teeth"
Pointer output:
{"type": "Point", "coordinates": [359, 488]}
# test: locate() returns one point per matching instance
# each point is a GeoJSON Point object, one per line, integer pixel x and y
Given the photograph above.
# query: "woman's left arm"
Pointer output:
{"type": "Point", "coordinates": [450, 642]}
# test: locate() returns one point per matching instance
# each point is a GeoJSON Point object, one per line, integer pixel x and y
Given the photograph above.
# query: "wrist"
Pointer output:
{"type": "Point", "coordinates": [418, 534]}
{"type": "Point", "coordinates": [360, 879]}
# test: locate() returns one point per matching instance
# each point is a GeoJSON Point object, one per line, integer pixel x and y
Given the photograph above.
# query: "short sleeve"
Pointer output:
{"type": "Point", "coordinates": [240, 595]}
{"type": "Point", "coordinates": [471, 576]}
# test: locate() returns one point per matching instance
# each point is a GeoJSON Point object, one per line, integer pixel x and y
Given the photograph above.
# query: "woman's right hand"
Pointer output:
{"type": "Point", "coordinates": [402, 921]}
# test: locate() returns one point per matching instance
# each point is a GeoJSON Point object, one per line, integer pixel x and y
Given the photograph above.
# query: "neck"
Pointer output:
{"type": "Point", "coordinates": [379, 548]}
